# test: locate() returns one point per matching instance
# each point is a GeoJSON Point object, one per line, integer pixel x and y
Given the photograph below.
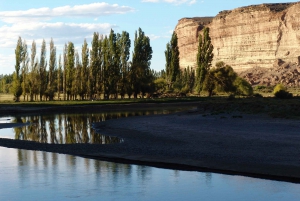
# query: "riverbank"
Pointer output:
{"type": "Point", "coordinates": [232, 143]}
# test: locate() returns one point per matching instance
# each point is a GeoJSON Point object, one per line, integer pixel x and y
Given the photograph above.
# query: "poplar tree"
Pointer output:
{"type": "Point", "coordinates": [106, 67]}
{"type": "Point", "coordinates": [33, 75]}
{"type": "Point", "coordinates": [24, 76]}
{"type": "Point", "coordinates": [172, 60]}
{"type": "Point", "coordinates": [85, 65]}
{"type": "Point", "coordinates": [78, 79]}
{"type": "Point", "coordinates": [42, 71]}
{"type": "Point", "coordinates": [114, 59]}
{"type": "Point", "coordinates": [94, 64]}
{"type": "Point", "coordinates": [141, 61]}
{"type": "Point", "coordinates": [168, 56]}
{"type": "Point", "coordinates": [204, 58]}
{"type": "Point", "coordinates": [52, 69]}
{"type": "Point", "coordinates": [59, 77]}
{"type": "Point", "coordinates": [65, 71]}
{"type": "Point", "coordinates": [124, 45]}
{"type": "Point", "coordinates": [17, 88]}
{"type": "Point", "coordinates": [70, 70]}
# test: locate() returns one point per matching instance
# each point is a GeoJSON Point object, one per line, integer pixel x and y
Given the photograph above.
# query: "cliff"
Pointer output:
{"type": "Point", "coordinates": [247, 37]}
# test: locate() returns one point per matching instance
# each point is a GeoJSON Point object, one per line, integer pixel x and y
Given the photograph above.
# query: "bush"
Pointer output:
{"type": "Point", "coordinates": [243, 87]}
{"type": "Point", "coordinates": [278, 87]}
{"type": "Point", "coordinates": [257, 95]}
{"type": "Point", "coordinates": [282, 94]}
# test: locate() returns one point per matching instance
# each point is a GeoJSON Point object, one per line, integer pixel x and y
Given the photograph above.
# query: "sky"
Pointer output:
{"type": "Point", "coordinates": [76, 20]}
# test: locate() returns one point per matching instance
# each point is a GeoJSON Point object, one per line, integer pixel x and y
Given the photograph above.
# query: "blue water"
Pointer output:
{"type": "Point", "coordinates": [34, 175]}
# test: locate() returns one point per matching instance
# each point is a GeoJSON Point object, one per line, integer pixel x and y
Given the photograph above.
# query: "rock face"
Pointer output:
{"type": "Point", "coordinates": [247, 37]}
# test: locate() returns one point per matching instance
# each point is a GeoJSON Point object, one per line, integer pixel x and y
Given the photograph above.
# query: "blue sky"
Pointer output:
{"type": "Point", "coordinates": [75, 20]}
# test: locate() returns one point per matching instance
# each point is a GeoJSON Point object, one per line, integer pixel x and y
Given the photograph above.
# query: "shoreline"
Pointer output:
{"type": "Point", "coordinates": [242, 144]}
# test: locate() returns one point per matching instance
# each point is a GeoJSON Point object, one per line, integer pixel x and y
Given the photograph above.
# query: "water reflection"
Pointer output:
{"type": "Point", "coordinates": [69, 128]}
{"type": "Point", "coordinates": [34, 175]}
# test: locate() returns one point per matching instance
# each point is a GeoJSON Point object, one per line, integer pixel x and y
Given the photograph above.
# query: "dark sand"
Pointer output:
{"type": "Point", "coordinates": [252, 145]}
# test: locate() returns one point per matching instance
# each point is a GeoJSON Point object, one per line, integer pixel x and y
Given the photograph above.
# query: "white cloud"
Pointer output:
{"type": "Point", "coordinates": [176, 2]}
{"type": "Point", "coordinates": [35, 24]}
{"type": "Point", "coordinates": [59, 31]}
{"type": "Point", "coordinates": [93, 10]}
{"type": "Point", "coordinates": [6, 67]}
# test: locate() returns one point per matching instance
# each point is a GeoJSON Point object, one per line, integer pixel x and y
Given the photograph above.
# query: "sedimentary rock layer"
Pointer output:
{"type": "Point", "coordinates": [247, 37]}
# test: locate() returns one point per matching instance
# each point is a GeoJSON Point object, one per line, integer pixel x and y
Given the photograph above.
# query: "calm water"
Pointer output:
{"type": "Point", "coordinates": [34, 175]}
{"type": "Point", "coordinates": [66, 128]}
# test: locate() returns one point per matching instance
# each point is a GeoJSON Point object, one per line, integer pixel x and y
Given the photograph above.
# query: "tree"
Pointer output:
{"type": "Point", "coordinates": [204, 58]}
{"type": "Point", "coordinates": [70, 70]}
{"type": "Point", "coordinates": [59, 77]}
{"type": "Point", "coordinates": [94, 65]}
{"type": "Point", "coordinates": [172, 60]}
{"type": "Point", "coordinates": [141, 61]}
{"type": "Point", "coordinates": [243, 87]}
{"type": "Point", "coordinates": [42, 71]}
{"type": "Point", "coordinates": [25, 63]}
{"type": "Point", "coordinates": [222, 78]}
{"type": "Point", "coordinates": [17, 88]}
{"type": "Point", "coordinates": [85, 66]}
{"type": "Point", "coordinates": [168, 56]}
{"type": "Point", "coordinates": [114, 60]}
{"type": "Point", "coordinates": [33, 80]}
{"type": "Point", "coordinates": [65, 53]}
{"type": "Point", "coordinates": [52, 69]}
{"type": "Point", "coordinates": [78, 79]}
{"type": "Point", "coordinates": [124, 46]}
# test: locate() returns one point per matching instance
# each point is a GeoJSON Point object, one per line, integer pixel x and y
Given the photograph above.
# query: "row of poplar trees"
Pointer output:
{"type": "Point", "coordinates": [102, 69]}
{"type": "Point", "coordinates": [190, 79]}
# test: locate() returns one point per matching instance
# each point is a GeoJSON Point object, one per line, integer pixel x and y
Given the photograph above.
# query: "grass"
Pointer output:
{"type": "Point", "coordinates": [8, 101]}
{"type": "Point", "coordinates": [277, 108]}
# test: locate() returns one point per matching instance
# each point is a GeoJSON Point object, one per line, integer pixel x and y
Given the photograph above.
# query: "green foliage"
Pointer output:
{"type": "Point", "coordinates": [70, 70]}
{"type": "Point", "coordinates": [204, 58]}
{"type": "Point", "coordinates": [172, 60]}
{"type": "Point", "coordinates": [42, 71]}
{"type": "Point", "coordinates": [279, 87]}
{"type": "Point", "coordinates": [95, 59]}
{"type": "Point", "coordinates": [105, 69]}
{"type": "Point", "coordinates": [124, 44]}
{"type": "Point", "coordinates": [141, 75]}
{"type": "Point", "coordinates": [222, 78]}
{"type": "Point", "coordinates": [52, 69]}
{"type": "Point", "coordinates": [243, 87]}
{"type": "Point", "coordinates": [16, 87]}
{"type": "Point", "coordinates": [160, 85]}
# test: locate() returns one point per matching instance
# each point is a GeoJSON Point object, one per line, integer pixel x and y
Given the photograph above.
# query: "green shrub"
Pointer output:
{"type": "Point", "coordinates": [279, 87]}
{"type": "Point", "coordinates": [282, 94]}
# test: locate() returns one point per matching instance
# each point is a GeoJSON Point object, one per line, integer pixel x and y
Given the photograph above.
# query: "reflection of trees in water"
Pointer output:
{"type": "Point", "coordinates": [70, 128]}
{"type": "Point", "coordinates": [64, 129]}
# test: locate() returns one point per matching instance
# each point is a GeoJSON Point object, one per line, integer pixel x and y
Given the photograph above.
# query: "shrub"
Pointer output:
{"type": "Point", "coordinates": [282, 94]}
{"type": "Point", "coordinates": [257, 95]}
{"type": "Point", "coordinates": [243, 87]}
{"type": "Point", "coordinates": [279, 87]}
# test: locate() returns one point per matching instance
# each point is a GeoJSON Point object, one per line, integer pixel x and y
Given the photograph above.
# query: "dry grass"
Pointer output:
{"type": "Point", "coordinates": [6, 97]}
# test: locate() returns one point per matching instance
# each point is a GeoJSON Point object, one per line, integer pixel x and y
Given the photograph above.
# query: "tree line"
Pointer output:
{"type": "Point", "coordinates": [104, 68]}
